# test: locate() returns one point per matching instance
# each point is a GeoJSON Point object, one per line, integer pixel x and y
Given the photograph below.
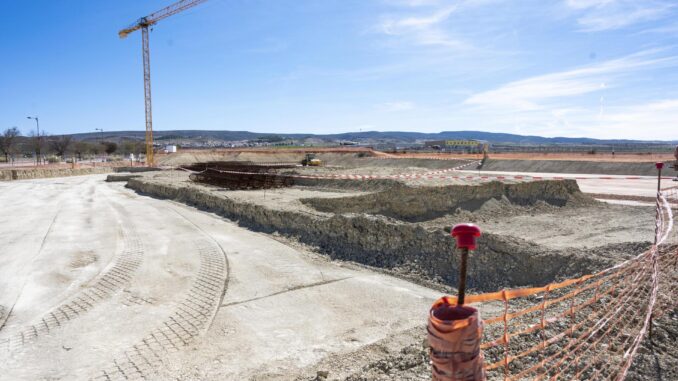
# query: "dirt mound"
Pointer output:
{"type": "Point", "coordinates": [39, 173]}
{"type": "Point", "coordinates": [349, 184]}
{"type": "Point", "coordinates": [190, 157]}
{"type": "Point", "coordinates": [361, 160]}
{"type": "Point", "coordinates": [349, 159]}
{"type": "Point", "coordinates": [425, 203]}
{"type": "Point", "coordinates": [121, 177]}
{"type": "Point", "coordinates": [408, 249]}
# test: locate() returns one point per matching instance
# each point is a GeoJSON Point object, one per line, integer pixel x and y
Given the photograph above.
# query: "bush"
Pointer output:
{"type": "Point", "coordinates": [110, 147]}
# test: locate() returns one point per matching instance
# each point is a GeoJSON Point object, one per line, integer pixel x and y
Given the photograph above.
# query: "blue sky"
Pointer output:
{"type": "Point", "coordinates": [596, 68]}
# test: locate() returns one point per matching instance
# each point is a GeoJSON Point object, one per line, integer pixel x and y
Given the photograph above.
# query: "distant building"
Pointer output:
{"type": "Point", "coordinates": [455, 144]}
{"type": "Point", "coordinates": [170, 149]}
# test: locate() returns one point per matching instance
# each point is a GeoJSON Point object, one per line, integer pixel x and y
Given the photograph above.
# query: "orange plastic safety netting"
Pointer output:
{"type": "Point", "coordinates": [587, 328]}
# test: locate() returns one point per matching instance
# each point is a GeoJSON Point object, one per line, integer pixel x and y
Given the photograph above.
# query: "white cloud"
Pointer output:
{"type": "Point", "coordinates": [558, 104]}
{"type": "Point", "coordinates": [584, 4]}
{"type": "Point", "coordinates": [651, 120]}
{"type": "Point", "coordinates": [648, 120]}
{"type": "Point", "coordinates": [396, 106]}
{"type": "Point", "coordinates": [601, 15]}
{"type": "Point", "coordinates": [655, 119]}
{"type": "Point", "coordinates": [412, 3]}
{"type": "Point", "coordinates": [427, 28]}
{"type": "Point", "coordinates": [535, 92]}
{"type": "Point", "coordinates": [419, 22]}
{"type": "Point", "coordinates": [666, 29]}
{"type": "Point", "coordinates": [422, 29]}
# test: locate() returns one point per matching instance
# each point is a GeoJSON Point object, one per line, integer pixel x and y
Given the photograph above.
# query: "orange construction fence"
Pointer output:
{"type": "Point", "coordinates": [587, 328]}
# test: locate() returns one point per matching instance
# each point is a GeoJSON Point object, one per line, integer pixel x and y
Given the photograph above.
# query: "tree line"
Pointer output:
{"type": "Point", "coordinates": [14, 145]}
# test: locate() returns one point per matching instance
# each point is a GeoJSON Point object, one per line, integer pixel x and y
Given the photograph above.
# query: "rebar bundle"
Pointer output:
{"type": "Point", "coordinates": [241, 175]}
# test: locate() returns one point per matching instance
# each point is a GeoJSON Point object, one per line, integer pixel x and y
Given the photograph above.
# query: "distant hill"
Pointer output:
{"type": "Point", "coordinates": [401, 136]}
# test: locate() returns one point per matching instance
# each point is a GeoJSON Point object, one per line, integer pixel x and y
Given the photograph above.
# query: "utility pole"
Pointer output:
{"type": "Point", "coordinates": [101, 138]}
{"type": "Point", "coordinates": [38, 160]}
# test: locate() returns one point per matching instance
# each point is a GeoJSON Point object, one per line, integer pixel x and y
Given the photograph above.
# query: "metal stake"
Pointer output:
{"type": "Point", "coordinates": [462, 277]}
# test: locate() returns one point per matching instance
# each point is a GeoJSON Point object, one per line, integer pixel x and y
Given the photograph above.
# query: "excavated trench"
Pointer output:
{"type": "Point", "coordinates": [380, 229]}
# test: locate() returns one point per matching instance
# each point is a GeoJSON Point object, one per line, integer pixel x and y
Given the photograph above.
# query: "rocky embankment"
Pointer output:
{"type": "Point", "coordinates": [40, 173]}
{"type": "Point", "coordinates": [404, 247]}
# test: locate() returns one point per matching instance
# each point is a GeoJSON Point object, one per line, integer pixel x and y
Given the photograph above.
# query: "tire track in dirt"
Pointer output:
{"type": "Point", "coordinates": [6, 311]}
{"type": "Point", "coordinates": [5, 316]}
{"type": "Point", "coordinates": [104, 287]}
{"type": "Point", "coordinates": [191, 319]}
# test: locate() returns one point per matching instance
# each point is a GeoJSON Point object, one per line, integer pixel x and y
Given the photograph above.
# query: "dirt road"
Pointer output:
{"type": "Point", "coordinates": [97, 281]}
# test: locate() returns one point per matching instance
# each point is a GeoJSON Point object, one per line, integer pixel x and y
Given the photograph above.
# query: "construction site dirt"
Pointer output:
{"type": "Point", "coordinates": [327, 278]}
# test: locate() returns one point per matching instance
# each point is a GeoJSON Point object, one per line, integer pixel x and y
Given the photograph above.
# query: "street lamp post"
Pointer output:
{"type": "Point", "coordinates": [101, 138]}
{"type": "Point", "coordinates": [37, 123]}
{"type": "Point", "coordinates": [102, 133]}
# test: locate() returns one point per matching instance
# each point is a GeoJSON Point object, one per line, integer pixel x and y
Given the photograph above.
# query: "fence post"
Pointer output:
{"type": "Point", "coordinates": [657, 227]}
{"type": "Point", "coordinates": [659, 167]}
{"type": "Point", "coordinates": [455, 330]}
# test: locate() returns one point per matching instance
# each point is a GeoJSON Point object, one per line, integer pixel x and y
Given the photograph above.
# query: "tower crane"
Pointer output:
{"type": "Point", "coordinates": [143, 24]}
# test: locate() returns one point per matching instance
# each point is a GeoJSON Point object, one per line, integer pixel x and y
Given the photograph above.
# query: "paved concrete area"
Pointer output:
{"type": "Point", "coordinates": [97, 282]}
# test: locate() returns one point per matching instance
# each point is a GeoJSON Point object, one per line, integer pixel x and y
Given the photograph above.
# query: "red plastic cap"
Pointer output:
{"type": "Point", "coordinates": [659, 165]}
{"type": "Point", "coordinates": [466, 235]}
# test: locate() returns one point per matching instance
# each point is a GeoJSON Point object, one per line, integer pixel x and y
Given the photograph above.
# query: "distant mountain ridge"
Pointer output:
{"type": "Point", "coordinates": [493, 137]}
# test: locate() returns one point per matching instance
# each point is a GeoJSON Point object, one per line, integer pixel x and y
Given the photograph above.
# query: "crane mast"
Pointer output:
{"type": "Point", "coordinates": [147, 95]}
{"type": "Point", "coordinates": [143, 24]}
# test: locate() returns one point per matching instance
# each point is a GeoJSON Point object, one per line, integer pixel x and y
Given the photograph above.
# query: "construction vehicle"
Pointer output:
{"type": "Point", "coordinates": [311, 161]}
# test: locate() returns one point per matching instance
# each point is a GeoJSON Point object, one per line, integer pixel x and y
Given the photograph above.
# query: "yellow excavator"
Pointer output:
{"type": "Point", "coordinates": [310, 161]}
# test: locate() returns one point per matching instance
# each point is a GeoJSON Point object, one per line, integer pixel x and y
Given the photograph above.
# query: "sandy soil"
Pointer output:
{"type": "Point", "coordinates": [114, 285]}
{"type": "Point", "coordinates": [569, 224]}
{"type": "Point", "coordinates": [282, 152]}
{"type": "Point", "coordinates": [343, 271]}
{"type": "Point", "coordinates": [57, 170]}
{"type": "Point", "coordinates": [255, 154]}
{"type": "Point", "coordinates": [580, 230]}
{"type": "Point", "coordinates": [578, 167]}
{"type": "Point", "coordinates": [582, 226]}
{"type": "Point", "coordinates": [619, 157]}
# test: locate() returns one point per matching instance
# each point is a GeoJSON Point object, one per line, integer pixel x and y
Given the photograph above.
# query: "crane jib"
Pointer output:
{"type": "Point", "coordinates": [154, 17]}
